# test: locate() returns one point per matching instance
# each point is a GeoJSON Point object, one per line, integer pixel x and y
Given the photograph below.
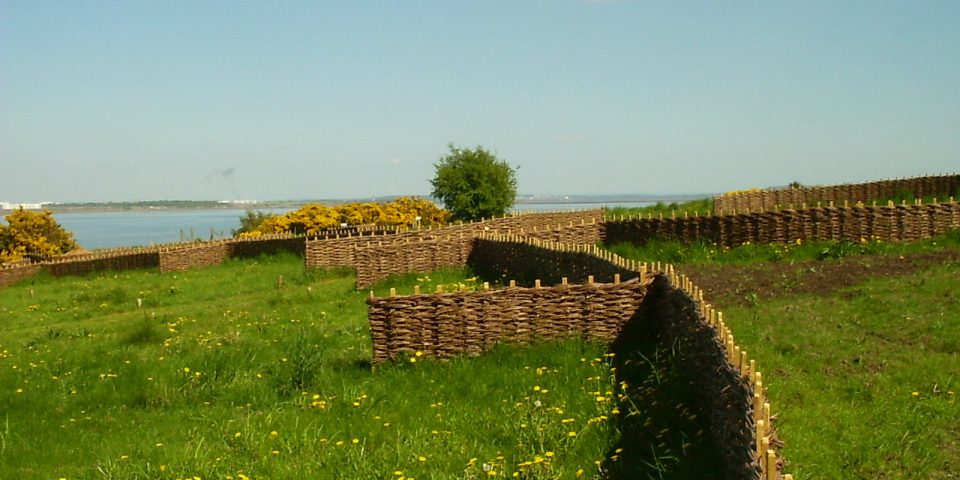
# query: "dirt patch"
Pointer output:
{"type": "Point", "coordinates": [737, 284]}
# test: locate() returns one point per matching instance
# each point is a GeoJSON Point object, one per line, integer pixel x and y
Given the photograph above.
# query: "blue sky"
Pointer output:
{"type": "Point", "coordinates": [134, 100]}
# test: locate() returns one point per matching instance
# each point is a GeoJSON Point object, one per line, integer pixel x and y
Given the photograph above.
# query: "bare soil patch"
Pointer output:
{"type": "Point", "coordinates": [738, 284]}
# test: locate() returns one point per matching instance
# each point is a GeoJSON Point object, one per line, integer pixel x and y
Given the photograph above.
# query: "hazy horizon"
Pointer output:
{"type": "Point", "coordinates": [130, 101]}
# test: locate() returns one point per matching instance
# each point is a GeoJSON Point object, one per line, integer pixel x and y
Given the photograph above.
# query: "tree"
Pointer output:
{"type": "Point", "coordinates": [33, 235]}
{"type": "Point", "coordinates": [251, 221]}
{"type": "Point", "coordinates": [474, 184]}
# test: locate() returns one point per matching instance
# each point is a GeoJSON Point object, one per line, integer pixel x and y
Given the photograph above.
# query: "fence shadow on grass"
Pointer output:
{"type": "Point", "coordinates": [664, 429]}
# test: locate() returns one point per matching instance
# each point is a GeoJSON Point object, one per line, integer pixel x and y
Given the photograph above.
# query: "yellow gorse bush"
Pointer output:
{"type": "Point", "coordinates": [33, 234]}
{"type": "Point", "coordinates": [313, 218]}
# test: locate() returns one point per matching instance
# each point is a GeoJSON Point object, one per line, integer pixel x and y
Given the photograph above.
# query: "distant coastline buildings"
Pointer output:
{"type": "Point", "coordinates": [25, 206]}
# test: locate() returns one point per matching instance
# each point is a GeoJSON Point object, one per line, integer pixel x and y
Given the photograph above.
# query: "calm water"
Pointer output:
{"type": "Point", "coordinates": [141, 228]}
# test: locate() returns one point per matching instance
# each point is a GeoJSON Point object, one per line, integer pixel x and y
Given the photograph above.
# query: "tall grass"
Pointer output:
{"type": "Point", "coordinates": [259, 369]}
{"type": "Point", "coordinates": [701, 206]}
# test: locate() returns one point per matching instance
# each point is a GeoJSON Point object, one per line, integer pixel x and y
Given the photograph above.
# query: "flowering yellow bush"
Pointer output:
{"type": "Point", "coordinates": [314, 218]}
{"type": "Point", "coordinates": [34, 234]}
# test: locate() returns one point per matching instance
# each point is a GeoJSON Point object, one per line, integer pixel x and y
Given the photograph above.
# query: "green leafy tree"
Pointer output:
{"type": "Point", "coordinates": [474, 184]}
{"type": "Point", "coordinates": [251, 221]}
{"type": "Point", "coordinates": [33, 235]}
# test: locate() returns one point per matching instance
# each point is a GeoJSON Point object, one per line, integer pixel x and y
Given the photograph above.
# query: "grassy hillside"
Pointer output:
{"type": "Point", "coordinates": [860, 344]}
{"type": "Point", "coordinates": [227, 372]}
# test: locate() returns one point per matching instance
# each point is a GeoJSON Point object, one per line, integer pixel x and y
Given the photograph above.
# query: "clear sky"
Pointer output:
{"type": "Point", "coordinates": [142, 100]}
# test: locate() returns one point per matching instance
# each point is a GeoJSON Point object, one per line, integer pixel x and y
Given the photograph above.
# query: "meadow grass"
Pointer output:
{"type": "Point", "coordinates": [863, 379]}
{"type": "Point", "coordinates": [673, 251]}
{"type": "Point", "coordinates": [229, 372]}
{"type": "Point", "coordinates": [700, 206]}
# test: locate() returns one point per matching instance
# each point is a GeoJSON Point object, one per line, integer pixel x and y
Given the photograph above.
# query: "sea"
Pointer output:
{"type": "Point", "coordinates": [132, 228]}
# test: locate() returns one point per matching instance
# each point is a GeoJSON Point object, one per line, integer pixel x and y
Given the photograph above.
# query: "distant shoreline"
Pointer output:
{"type": "Point", "coordinates": [173, 206]}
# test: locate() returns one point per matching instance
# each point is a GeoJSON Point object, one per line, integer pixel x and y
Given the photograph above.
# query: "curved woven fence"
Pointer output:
{"type": "Point", "coordinates": [596, 295]}
{"type": "Point", "coordinates": [941, 186]}
{"type": "Point", "coordinates": [890, 223]}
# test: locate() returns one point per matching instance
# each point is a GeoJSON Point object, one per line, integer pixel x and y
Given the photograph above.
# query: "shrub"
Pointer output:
{"type": "Point", "coordinates": [474, 184]}
{"type": "Point", "coordinates": [33, 235]}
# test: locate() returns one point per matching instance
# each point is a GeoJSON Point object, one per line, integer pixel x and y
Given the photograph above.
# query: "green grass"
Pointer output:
{"type": "Point", "coordinates": [865, 382]}
{"type": "Point", "coordinates": [227, 372]}
{"type": "Point", "coordinates": [701, 207]}
{"type": "Point", "coordinates": [673, 251]}
{"type": "Point", "coordinates": [865, 379]}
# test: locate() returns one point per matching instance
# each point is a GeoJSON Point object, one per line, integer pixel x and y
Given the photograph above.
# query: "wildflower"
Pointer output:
{"type": "Point", "coordinates": [274, 434]}
{"type": "Point", "coordinates": [571, 434]}
{"type": "Point", "coordinates": [237, 435]}
{"type": "Point", "coordinates": [915, 394]}
{"type": "Point", "coordinates": [422, 458]}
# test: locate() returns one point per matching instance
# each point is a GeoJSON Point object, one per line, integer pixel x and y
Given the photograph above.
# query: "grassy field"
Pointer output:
{"type": "Point", "coordinates": [225, 373]}
{"type": "Point", "coordinates": [860, 344]}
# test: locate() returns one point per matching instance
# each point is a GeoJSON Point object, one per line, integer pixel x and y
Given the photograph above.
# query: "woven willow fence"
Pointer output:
{"type": "Point", "coordinates": [941, 186]}
{"type": "Point", "coordinates": [890, 223]}
{"type": "Point", "coordinates": [375, 257]}
{"type": "Point", "coordinates": [446, 324]}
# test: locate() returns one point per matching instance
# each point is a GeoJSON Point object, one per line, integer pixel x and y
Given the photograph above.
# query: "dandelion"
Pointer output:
{"type": "Point", "coordinates": [237, 435]}
{"type": "Point", "coordinates": [915, 394]}
{"type": "Point", "coordinates": [275, 453]}
{"type": "Point", "coordinates": [422, 458]}
{"type": "Point", "coordinates": [274, 434]}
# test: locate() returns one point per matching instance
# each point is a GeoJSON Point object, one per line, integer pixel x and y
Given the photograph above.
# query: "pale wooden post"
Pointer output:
{"type": "Point", "coordinates": [761, 429]}
{"type": "Point", "coordinates": [771, 464]}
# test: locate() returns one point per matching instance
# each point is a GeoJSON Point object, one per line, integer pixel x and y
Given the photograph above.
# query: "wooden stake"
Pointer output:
{"type": "Point", "coordinates": [393, 292]}
{"type": "Point", "coordinates": [563, 281]}
{"type": "Point", "coordinates": [486, 285]}
{"type": "Point", "coordinates": [536, 283]}
{"type": "Point", "coordinates": [771, 464]}
{"type": "Point", "coordinates": [616, 278]}
{"type": "Point", "coordinates": [761, 429]}
{"type": "Point", "coordinates": [513, 283]}
{"type": "Point", "coordinates": [590, 279]}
